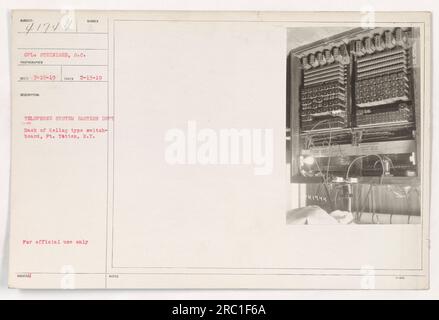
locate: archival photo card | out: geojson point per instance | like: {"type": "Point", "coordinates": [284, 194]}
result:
{"type": "Point", "coordinates": [220, 150]}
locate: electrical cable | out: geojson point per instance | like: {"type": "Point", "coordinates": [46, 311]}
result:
{"type": "Point", "coordinates": [362, 157]}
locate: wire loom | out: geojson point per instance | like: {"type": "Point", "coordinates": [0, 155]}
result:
{"type": "Point", "coordinates": [381, 95]}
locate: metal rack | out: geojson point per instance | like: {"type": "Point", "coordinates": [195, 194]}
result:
{"type": "Point", "coordinates": [391, 132]}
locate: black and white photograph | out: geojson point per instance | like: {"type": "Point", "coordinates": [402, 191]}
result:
{"type": "Point", "coordinates": [353, 125]}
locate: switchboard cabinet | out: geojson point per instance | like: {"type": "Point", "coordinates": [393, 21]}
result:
{"type": "Point", "coordinates": [354, 108]}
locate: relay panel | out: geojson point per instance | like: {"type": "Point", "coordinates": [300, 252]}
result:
{"type": "Point", "coordinates": [354, 105]}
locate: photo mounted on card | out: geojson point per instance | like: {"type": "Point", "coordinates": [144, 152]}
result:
{"type": "Point", "coordinates": [220, 150]}
{"type": "Point", "coordinates": [354, 120]}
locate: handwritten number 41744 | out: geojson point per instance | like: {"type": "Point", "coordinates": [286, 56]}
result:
{"type": "Point", "coordinates": [48, 26]}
